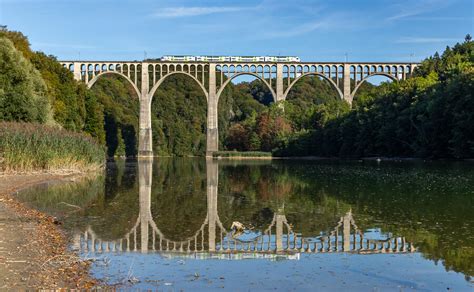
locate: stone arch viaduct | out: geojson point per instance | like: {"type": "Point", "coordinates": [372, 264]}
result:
{"type": "Point", "coordinates": [212, 77]}
{"type": "Point", "coordinates": [279, 237]}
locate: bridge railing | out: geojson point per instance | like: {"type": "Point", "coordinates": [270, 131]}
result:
{"type": "Point", "coordinates": [278, 238]}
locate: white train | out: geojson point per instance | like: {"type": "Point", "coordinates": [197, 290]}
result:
{"type": "Point", "coordinates": [230, 58]}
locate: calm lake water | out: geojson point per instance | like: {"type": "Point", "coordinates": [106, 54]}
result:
{"type": "Point", "coordinates": [196, 224]}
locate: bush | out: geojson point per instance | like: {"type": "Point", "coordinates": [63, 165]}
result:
{"type": "Point", "coordinates": [30, 147]}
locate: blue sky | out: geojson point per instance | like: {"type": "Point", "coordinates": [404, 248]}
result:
{"type": "Point", "coordinates": [375, 30]}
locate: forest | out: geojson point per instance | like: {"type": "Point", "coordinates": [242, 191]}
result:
{"type": "Point", "coordinates": [430, 115]}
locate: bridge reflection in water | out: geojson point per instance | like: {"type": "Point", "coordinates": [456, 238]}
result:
{"type": "Point", "coordinates": [213, 240]}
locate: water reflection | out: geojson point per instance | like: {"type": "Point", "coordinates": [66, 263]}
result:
{"type": "Point", "coordinates": [214, 240]}
{"type": "Point", "coordinates": [290, 210]}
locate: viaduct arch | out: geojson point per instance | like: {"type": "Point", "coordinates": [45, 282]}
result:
{"type": "Point", "coordinates": [212, 77]}
{"type": "Point", "coordinates": [157, 85]}
{"type": "Point", "coordinates": [219, 93]}
{"type": "Point", "coordinates": [334, 85]}
{"type": "Point", "coordinates": [94, 80]}
{"type": "Point", "coordinates": [371, 75]}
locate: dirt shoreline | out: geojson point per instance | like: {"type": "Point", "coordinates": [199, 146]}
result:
{"type": "Point", "coordinates": [33, 247]}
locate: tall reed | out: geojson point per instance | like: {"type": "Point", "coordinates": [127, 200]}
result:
{"type": "Point", "coordinates": [35, 147]}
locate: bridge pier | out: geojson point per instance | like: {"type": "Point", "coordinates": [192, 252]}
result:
{"type": "Point", "coordinates": [347, 84]}
{"type": "Point", "coordinates": [279, 83]}
{"type": "Point", "coordinates": [212, 143]}
{"type": "Point", "coordinates": [212, 170]}
{"type": "Point", "coordinates": [280, 219]}
{"type": "Point", "coordinates": [145, 173]}
{"type": "Point", "coordinates": [145, 146]}
{"type": "Point", "coordinates": [346, 231]}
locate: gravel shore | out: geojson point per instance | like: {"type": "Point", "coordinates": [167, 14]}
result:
{"type": "Point", "coordinates": [33, 248]}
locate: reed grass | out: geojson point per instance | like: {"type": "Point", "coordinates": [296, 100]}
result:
{"type": "Point", "coordinates": [26, 147]}
{"type": "Point", "coordinates": [241, 154]}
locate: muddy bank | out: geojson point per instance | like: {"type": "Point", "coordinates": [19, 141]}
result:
{"type": "Point", "coordinates": [33, 248]}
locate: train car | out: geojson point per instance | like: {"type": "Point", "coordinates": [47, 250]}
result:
{"type": "Point", "coordinates": [212, 58]}
{"type": "Point", "coordinates": [256, 58]}
{"type": "Point", "coordinates": [219, 59]}
{"type": "Point", "coordinates": [286, 59]}
{"type": "Point", "coordinates": [178, 58]}
{"type": "Point", "coordinates": [247, 59]}
{"type": "Point", "coordinates": [187, 58]}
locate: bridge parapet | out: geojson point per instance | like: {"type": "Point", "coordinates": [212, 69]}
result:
{"type": "Point", "coordinates": [270, 73]}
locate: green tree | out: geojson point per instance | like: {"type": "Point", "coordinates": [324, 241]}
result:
{"type": "Point", "coordinates": [64, 93]}
{"type": "Point", "coordinates": [22, 90]}
{"type": "Point", "coordinates": [66, 96]}
{"type": "Point", "coordinates": [94, 123]}
{"type": "Point", "coordinates": [120, 144]}
{"type": "Point", "coordinates": [113, 102]}
{"type": "Point", "coordinates": [19, 40]}
{"type": "Point", "coordinates": [179, 117]}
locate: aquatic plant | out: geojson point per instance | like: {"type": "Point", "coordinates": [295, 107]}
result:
{"type": "Point", "coordinates": [33, 147]}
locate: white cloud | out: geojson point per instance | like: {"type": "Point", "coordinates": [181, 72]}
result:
{"type": "Point", "coordinates": [172, 12]}
{"type": "Point", "coordinates": [329, 22]}
{"type": "Point", "coordinates": [408, 9]}
{"type": "Point", "coordinates": [61, 46]}
{"type": "Point", "coordinates": [298, 30]}
{"type": "Point", "coordinates": [442, 18]}
{"type": "Point", "coordinates": [425, 40]}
